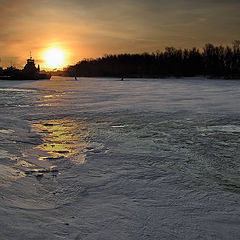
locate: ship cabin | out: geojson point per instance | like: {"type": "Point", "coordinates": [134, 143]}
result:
{"type": "Point", "coordinates": [30, 66]}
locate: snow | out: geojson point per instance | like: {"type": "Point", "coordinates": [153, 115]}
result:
{"type": "Point", "coordinates": [101, 158]}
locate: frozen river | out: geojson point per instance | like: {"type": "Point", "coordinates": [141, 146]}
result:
{"type": "Point", "coordinates": [100, 158]}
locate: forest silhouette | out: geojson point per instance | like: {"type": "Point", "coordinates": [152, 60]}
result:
{"type": "Point", "coordinates": [212, 61]}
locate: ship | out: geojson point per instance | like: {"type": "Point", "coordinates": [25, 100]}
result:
{"type": "Point", "coordinates": [29, 72]}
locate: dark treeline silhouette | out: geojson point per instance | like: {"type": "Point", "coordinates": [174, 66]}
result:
{"type": "Point", "coordinates": [212, 61]}
{"type": "Point", "coordinates": [8, 71]}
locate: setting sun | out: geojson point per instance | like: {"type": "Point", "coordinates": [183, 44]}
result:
{"type": "Point", "coordinates": [54, 58]}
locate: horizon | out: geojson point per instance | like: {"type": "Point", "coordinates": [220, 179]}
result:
{"type": "Point", "coordinates": [62, 68]}
{"type": "Point", "coordinates": [137, 136]}
{"type": "Point", "coordinates": [90, 30]}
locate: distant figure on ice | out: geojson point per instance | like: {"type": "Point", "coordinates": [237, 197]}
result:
{"type": "Point", "coordinates": [122, 79]}
{"type": "Point", "coordinates": [75, 78]}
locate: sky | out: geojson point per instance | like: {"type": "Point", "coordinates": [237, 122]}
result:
{"type": "Point", "coordinates": [92, 28]}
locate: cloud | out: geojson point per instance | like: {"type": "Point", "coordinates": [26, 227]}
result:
{"type": "Point", "coordinates": [11, 10]}
{"type": "Point", "coordinates": [89, 28]}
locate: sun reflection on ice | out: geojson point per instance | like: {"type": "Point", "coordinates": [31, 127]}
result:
{"type": "Point", "coordinates": [63, 138]}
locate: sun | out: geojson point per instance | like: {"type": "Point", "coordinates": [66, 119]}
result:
{"type": "Point", "coordinates": [54, 58]}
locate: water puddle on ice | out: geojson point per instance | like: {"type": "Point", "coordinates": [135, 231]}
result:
{"type": "Point", "coordinates": [63, 138]}
{"type": "Point", "coordinates": [67, 139]}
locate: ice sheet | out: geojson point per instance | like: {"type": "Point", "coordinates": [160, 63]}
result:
{"type": "Point", "coordinates": [101, 158]}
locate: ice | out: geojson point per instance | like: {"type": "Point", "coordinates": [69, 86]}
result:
{"type": "Point", "coordinates": [8, 174]}
{"type": "Point", "coordinates": [225, 128]}
{"type": "Point", "coordinates": [6, 131]}
{"type": "Point", "coordinates": [100, 158]}
{"type": "Point", "coordinates": [16, 90]}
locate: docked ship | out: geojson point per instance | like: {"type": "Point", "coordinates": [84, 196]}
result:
{"type": "Point", "coordinates": [29, 72]}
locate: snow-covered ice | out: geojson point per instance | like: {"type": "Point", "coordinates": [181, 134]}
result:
{"type": "Point", "coordinates": [101, 158]}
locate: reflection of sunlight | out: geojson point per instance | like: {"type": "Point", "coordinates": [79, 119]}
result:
{"type": "Point", "coordinates": [49, 96]}
{"type": "Point", "coordinates": [51, 99]}
{"type": "Point", "coordinates": [63, 138]}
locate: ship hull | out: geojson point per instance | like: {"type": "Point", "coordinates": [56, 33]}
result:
{"type": "Point", "coordinates": [23, 76]}
{"type": "Point", "coordinates": [30, 72]}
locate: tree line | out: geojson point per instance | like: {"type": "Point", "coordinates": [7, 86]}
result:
{"type": "Point", "coordinates": [211, 61]}
{"type": "Point", "coordinates": [8, 71]}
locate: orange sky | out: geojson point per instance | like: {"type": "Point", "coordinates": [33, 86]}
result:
{"type": "Point", "coordinates": [92, 28]}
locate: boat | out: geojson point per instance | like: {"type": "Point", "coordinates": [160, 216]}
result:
{"type": "Point", "coordinates": [29, 72]}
